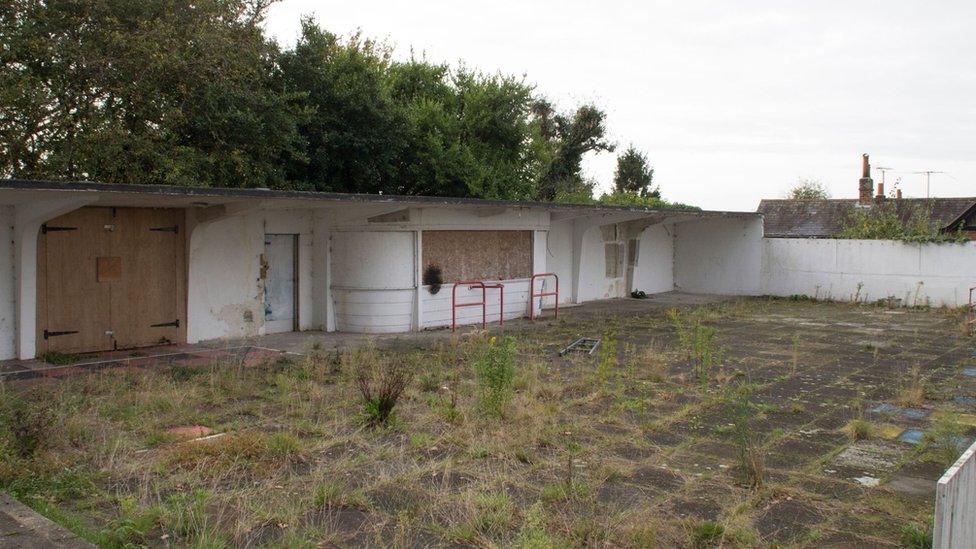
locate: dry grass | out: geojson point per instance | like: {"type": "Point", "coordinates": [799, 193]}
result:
{"type": "Point", "coordinates": [640, 454]}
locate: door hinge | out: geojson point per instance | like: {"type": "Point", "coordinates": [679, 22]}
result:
{"type": "Point", "coordinates": [49, 229]}
{"type": "Point", "coordinates": [48, 334]}
{"type": "Point", "coordinates": [173, 229]}
{"type": "Point", "coordinates": [174, 324]}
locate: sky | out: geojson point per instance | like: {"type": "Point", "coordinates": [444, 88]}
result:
{"type": "Point", "coordinates": [732, 101]}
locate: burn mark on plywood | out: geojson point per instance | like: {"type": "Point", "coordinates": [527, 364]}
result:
{"type": "Point", "coordinates": [479, 255]}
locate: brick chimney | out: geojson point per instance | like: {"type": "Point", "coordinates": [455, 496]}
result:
{"type": "Point", "coordinates": [898, 194]}
{"type": "Point", "coordinates": [866, 184]}
{"type": "Point", "coordinates": [881, 194]}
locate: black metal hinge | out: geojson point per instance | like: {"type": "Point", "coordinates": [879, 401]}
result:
{"type": "Point", "coordinates": [174, 324]}
{"type": "Point", "coordinates": [173, 229]}
{"type": "Point", "coordinates": [48, 334]}
{"type": "Point", "coordinates": [49, 229]}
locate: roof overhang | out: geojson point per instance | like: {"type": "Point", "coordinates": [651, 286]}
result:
{"type": "Point", "coordinates": [18, 191]}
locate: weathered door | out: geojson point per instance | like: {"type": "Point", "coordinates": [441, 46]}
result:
{"type": "Point", "coordinates": [111, 278]}
{"type": "Point", "coordinates": [280, 256]}
{"type": "Point", "coordinates": [147, 299]}
{"type": "Point", "coordinates": [73, 307]}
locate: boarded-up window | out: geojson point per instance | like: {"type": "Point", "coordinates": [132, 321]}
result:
{"type": "Point", "coordinates": [614, 255]}
{"type": "Point", "coordinates": [479, 255]}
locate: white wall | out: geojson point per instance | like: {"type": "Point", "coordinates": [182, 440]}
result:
{"type": "Point", "coordinates": [225, 293]}
{"type": "Point", "coordinates": [8, 311]}
{"type": "Point", "coordinates": [868, 270]}
{"type": "Point", "coordinates": [718, 256]}
{"type": "Point", "coordinates": [559, 259]}
{"type": "Point", "coordinates": [955, 504]}
{"type": "Point", "coordinates": [593, 280]}
{"type": "Point", "coordinates": [373, 281]}
{"type": "Point", "coordinates": [654, 272]}
{"type": "Point", "coordinates": [437, 307]}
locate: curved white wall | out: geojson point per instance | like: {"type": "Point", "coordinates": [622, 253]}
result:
{"type": "Point", "coordinates": [373, 281]}
{"type": "Point", "coordinates": [654, 272]}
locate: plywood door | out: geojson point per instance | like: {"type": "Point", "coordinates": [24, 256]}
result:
{"type": "Point", "coordinates": [111, 278]}
{"type": "Point", "coordinates": [148, 297]}
{"type": "Point", "coordinates": [280, 283]}
{"type": "Point", "coordinates": [73, 309]}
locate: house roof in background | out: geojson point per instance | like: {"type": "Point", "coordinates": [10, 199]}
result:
{"type": "Point", "coordinates": [791, 218]}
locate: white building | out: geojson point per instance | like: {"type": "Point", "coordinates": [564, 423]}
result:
{"type": "Point", "coordinates": [91, 266]}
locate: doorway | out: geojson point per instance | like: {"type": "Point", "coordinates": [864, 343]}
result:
{"type": "Point", "coordinates": [111, 278]}
{"type": "Point", "coordinates": [280, 283]}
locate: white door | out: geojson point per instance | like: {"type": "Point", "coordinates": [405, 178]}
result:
{"type": "Point", "coordinates": [280, 254]}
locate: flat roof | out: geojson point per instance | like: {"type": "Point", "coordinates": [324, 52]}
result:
{"type": "Point", "coordinates": [226, 194]}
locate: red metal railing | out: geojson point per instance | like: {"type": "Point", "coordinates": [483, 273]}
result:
{"type": "Point", "coordinates": [533, 295]}
{"type": "Point", "coordinates": [971, 312]}
{"type": "Point", "coordinates": [483, 303]}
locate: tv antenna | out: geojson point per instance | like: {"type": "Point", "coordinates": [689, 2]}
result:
{"type": "Point", "coordinates": [928, 177]}
{"type": "Point", "coordinates": [883, 169]}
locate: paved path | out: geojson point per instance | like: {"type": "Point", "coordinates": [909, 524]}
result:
{"type": "Point", "coordinates": [22, 528]}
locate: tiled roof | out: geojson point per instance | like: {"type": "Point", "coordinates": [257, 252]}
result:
{"type": "Point", "coordinates": [826, 218]}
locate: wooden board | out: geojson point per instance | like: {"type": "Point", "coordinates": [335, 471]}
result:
{"type": "Point", "coordinates": [118, 279]}
{"type": "Point", "coordinates": [479, 255]}
{"type": "Point", "coordinates": [147, 300]}
{"type": "Point", "coordinates": [73, 300]}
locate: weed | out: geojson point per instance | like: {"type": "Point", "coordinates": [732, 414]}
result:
{"type": "Point", "coordinates": [28, 424]}
{"type": "Point", "coordinates": [60, 359]}
{"type": "Point", "coordinates": [697, 341]}
{"type": "Point", "coordinates": [380, 380]}
{"type": "Point", "coordinates": [912, 392]}
{"type": "Point", "coordinates": [607, 362]}
{"type": "Point", "coordinates": [944, 439]}
{"type": "Point", "coordinates": [795, 360]}
{"type": "Point", "coordinates": [859, 429]}
{"type": "Point", "coordinates": [533, 534]}
{"type": "Point", "coordinates": [495, 369]}
{"type": "Point", "coordinates": [707, 534]}
{"type": "Point", "coordinates": [917, 536]}
{"type": "Point", "coordinates": [751, 454]}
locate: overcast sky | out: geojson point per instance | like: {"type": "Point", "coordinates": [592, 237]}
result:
{"type": "Point", "coordinates": [732, 101]}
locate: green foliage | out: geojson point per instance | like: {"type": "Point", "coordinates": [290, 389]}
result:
{"type": "Point", "coordinates": [808, 189]}
{"type": "Point", "coordinates": [634, 175]}
{"type": "Point", "coordinates": [607, 363]}
{"type": "Point", "coordinates": [885, 222]}
{"type": "Point", "coordinates": [747, 442]}
{"type": "Point", "coordinates": [945, 439]}
{"type": "Point", "coordinates": [917, 536]}
{"type": "Point", "coordinates": [60, 359]}
{"type": "Point", "coordinates": [564, 139]}
{"type": "Point", "coordinates": [697, 341]}
{"type": "Point", "coordinates": [495, 369]}
{"type": "Point", "coordinates": [171, 92]}
{"type": "Point", "coordinates": [25, 425]}
{"type": "Point", "coordinates": [707, 534]}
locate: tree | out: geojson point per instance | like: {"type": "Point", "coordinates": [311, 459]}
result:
{"type": "Point", "coordinates": [169, 92]}
{"type": "Point", "coordinates": [352, 129]}
{"type": "Point", "coordinates": [564, 140]}
{"type": "Point", "coordinates": [808, 189]}
{"type": "Point", "coordinates": [634, 175]}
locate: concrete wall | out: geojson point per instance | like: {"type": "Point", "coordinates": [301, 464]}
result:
{"type": "Point", "coordinates": [373, 281]}
{"type": "Point", "coordinates": [559, 259]}
{"type": "Point", "coordinates": [955, 504]}
{"type": "Point", "coordinates": [718, 256]}
{"type": "Point", "coordinates": [8, 310]}
{"type": "Point", "coordinates": [868, 270]}
{"type": "Point", "coordinates": [225, 293]}
{"type": "Point", "coordinates": [654, 272]}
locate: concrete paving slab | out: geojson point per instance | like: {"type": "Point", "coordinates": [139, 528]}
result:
{"type": "Point", "coordinates": [23, 528]}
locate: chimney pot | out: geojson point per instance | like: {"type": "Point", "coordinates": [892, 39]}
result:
{"type": "Point", "coordinates": [898, 194]}
{"type": "Point", "coordinates": [881, 194]}
{"type": "Point", "coordinates": [866, 184]}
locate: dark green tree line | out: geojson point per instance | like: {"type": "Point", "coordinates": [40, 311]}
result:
{"type": "Point", "coordinates": [183, 92]}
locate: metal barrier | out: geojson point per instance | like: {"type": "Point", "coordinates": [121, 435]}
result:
{"type": "Point", "coordinates": [971, 312]}
{"type": "Point", "coordinates": [533, 295]}
{"type": "Point", "coordinates": [483, 303]}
